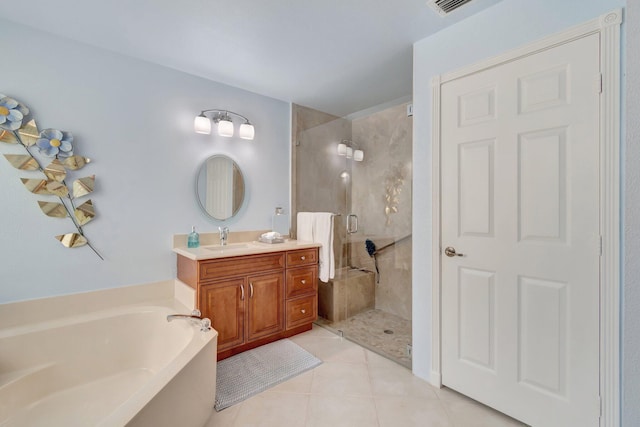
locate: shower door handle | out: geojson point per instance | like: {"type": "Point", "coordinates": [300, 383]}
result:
{"type": "Point", "coordinates": [352, 224]}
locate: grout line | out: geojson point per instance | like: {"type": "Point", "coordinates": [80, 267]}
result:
{"type": "Point", "coordinates": [369, 376]}
{"type": "Point", "coordinates": [234, 419]}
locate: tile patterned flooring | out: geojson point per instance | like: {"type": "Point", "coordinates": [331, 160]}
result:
{"type": "Point", "coordinates": [355, 387]}
{"type": "Point", "coordinates": [368, 330]}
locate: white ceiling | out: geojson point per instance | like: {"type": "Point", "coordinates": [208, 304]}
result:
{"type": "Point", "coordinates": [338, 56]}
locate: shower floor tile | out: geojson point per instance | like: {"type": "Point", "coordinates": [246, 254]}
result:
{"type": "Point", "coordinates": [368, 330]}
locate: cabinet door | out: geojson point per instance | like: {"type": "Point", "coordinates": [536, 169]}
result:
{"type": "Point", "coordinates": [223, 303]}
{"type": "Point", "coordinates": [266, 305]}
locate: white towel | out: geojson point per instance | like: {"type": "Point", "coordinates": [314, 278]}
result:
{"type": "Point", "coordinates": [317, 227]}
{"type": "Point", "coordinates": [305, 226]}
{"type": "Point", "coordinates": [323, 234]}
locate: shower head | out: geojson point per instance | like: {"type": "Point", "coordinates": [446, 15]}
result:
{"type": "Point", "coordinates": [371, 247]}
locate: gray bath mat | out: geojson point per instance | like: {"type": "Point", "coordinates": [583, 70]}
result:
{"type": "Point", "coordinates": [246, 374]}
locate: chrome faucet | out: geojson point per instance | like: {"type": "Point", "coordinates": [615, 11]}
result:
{"type": "Point", "coordinates": [205, 324]}
{"type": "Point", "coordinates": [224, 233]}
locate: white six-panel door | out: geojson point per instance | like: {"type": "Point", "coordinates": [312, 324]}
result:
{"type": "Point", "coordinates": [520, 203]}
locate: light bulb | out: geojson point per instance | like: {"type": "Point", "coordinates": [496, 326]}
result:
{"type": "Point", "coordinates": [225, 126]}
{"type": "Point", "coordinates": [358, 155]}
{"type": "Point", "coordinates": [202, 124]}
{"type": "Point", "coordinates": [342, 149]}
{"type": "Point", "coordinates": [247, 131]}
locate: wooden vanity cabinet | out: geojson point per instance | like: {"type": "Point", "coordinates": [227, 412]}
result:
{"type": "Point", "coordinates": [255, 299]}
{"type": "Point", "coordinates": [301, 304]}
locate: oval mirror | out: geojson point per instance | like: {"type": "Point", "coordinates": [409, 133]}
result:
{"type": "Point", "coordinates": [220, 187]}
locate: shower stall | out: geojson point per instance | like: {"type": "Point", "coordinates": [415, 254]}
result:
{"type": "Point", "coordinates": [360, 169]}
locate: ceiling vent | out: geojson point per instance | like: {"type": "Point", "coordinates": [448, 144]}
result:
{"type": "Point", "coordinates": [444, 7]}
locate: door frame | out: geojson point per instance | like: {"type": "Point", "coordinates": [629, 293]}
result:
{"type": "Point", "coordinates": [608, 27]}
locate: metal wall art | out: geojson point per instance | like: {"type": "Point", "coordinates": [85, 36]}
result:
{"type": "Point", "coordinates": [393, 187]}
{"type": "Point", "coordinates": [53, 149]}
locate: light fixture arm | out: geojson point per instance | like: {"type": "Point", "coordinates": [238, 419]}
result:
{"type": "Point", "coordinates": [218, 113]}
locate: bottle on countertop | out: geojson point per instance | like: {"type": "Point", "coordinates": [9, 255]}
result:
{"type": "Point", "coordinates": [193, 241]}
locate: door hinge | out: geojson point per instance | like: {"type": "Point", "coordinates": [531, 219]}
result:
{"type": "Point", "coordinates": [599, 407]}
{"type": "Point", "coordinates": [601, 244]}
{"type": "Point", "coordinates": [599, 83]}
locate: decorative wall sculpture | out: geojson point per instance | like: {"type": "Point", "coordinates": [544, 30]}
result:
{"type": "Point", "coordinates": [393, 183]}
{"type": "Point", "coordinates": [56, 151]}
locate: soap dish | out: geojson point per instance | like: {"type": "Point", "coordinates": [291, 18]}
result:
{"type": "Point", "coordinates": [270, 241]}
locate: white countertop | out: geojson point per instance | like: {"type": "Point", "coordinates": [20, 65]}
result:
{"type": "Point", "coordinates": [241, 248]}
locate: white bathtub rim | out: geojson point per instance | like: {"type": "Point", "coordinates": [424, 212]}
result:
{"type": "Point", "coordinates": [128, 409]}
{"type": "Point", "coordinates": [168, 306]}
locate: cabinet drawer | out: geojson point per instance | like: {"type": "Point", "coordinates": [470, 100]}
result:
{"type": "Point", "coordinates": [302, 257]}
{"type": "Point", "coordinates": [301, 311]}
{"type": "Point", "coordinates": [240, 266]}
{"type": "Point", "coordinates": [302, 281]}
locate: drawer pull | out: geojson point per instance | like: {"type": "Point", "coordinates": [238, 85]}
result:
{"type": "Point", "coordinates": [303, 257]}
{"type": "Point", "coordinates": [251, 290]}
{"type": "Point", "coordinates": [304, 282]}
{"type": "Point", "coordinates": [242, 289]}
{"type": "Point", "coordinates": [303, 311]}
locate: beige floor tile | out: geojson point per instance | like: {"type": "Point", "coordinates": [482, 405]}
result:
{"type": "Point", "coordinates": [318, 331]}
{"type": "Point", "coordinates": [298, 384]}
{"type": "Point", "coordinates": [224, 418]}
{"type": "Point", "coordinates": [315, 332]}
{"type": "Point", "coordinates": [273, 409]}
{"type": "Point", "coordinates": [374, 359]}
{"type": "Point", "coordinates": [411, 412]}
{"type": "Point", "coordinates": [473, 414]}
{"type": "Point", "coordinates": [341, 379]}
{"type": "Point", "coordinates": [341, 411]}
{"type": "Point", "coordinates": [333, 349]}
{"type": "Point", "coordinates": [446, 393]}
{"type": "Point", "coordinates": [355, 387]}
{"type": "Point", "coordinates": [398, 381]}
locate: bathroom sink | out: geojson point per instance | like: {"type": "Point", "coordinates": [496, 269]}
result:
{"type": "Point", "coordinates": [227, 248]}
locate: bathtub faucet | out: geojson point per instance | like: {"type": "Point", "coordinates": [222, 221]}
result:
{"type": "Point", "coordinates": [196, 316]}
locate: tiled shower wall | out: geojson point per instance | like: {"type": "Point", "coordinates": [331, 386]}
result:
{"type": "Point", "coordinates": [381, 197]}
{"type": "Point", "coordinates": [378, 190]}
{"type": "Point", "coordinates": [317, 185]}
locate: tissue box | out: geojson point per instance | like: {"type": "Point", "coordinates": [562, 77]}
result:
{"type": "Point", "coordinates": [276, 240]}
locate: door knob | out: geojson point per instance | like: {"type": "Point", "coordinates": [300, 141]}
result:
{"type": "Point", "coordinates": [451, 252]}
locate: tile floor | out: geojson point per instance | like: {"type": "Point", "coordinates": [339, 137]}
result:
{"type": "Point", "coordinates": [368, 329]}
{"type": "Point", "coordinates": [355, 387]}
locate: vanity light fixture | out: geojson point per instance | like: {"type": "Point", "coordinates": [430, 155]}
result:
{"type": "Point", "coordinates": [345, 149]}
{"type": "Point", "coordinates": [202, 123]}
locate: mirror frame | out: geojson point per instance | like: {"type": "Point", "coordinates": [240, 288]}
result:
{"type": "Point", "coordinates": [237, 169]}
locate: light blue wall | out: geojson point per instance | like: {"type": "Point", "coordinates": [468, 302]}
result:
{"type": "Point", "coordinates": [505, 26]}
{"type": "Point", "coordinates": [135, 120]}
